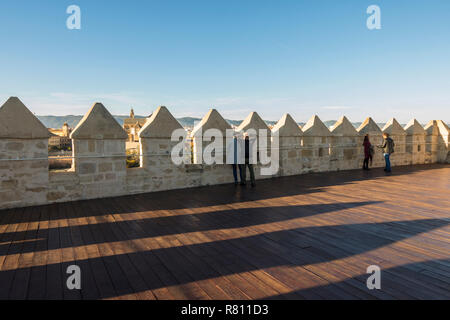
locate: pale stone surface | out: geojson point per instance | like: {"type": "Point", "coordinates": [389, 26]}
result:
{"type": "Point", "coordinates": [432, 142]}
{"type": "Point", "coordinates": [414, 127]}
{"type": "Point", "coordinates": [443, 128]}
{"type": "Point", "coordinates": [160, 125]}
{"type": "Point", "coordinates": [98, 123]}
{"type": "Point", "coordinates": [431, 128]}
{"type": "Point", "coordinates": [415, 142]}
{"type": "Point", "coordinates": [369, 127]}
{"type": "Point", "coordinates": [99, 158]}
{"type": "Point", "coordinates": [24, 181]}
{"type": "Point", "coordinates": [212, 120]}
{"type": "Point", "coordinates": [289, 147]}
{"type": "Point", "coordinates": [443, 141]}
{"type": "Point", "coordinates": [255, 125]}
{"type": "Point", "coordinates": [315, 127]}
{"type": "Point", "coordinates": [17, 122]}
{"type": "Point", "coordinates": [392, 127]}
{"type": "Point", "coordinates": [316, 148]}
{"type": "Point", "coordinates": [253, 121]}
{"type": "Point", "coordinates": [287, 127]}
{"type": "Point", "coordinates": [343, 127]}
{"type": "Point", "coordinates": [345, 146]}
{"type": "Point", "coordinates": [99, 168]}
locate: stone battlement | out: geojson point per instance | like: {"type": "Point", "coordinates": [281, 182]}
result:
{"type": "Point", "coordinates": [99, 160]}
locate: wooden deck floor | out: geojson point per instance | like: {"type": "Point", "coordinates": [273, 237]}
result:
{"type": "Point", "coordinates": [304, 237]}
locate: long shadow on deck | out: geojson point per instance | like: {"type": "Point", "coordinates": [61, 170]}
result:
{"type": "Point", "coordinates": [203, 196]}
{"type": "Point", "coordinates": [121, 274]}
{"type": "Point", "coordinates": [422, 280]}
{"type": "Point", "coordinates": [64, 237]}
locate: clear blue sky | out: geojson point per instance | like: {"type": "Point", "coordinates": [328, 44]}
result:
{"type": "Point", "coordinates": [301, 57]}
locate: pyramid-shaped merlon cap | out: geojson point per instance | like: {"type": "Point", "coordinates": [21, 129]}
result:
{"type": "Point", "coordinates": [160, 125]}
{"type": "Point", "coordinates": [287, 127]}
{"type": "Point", "coordinates": [414, 127]}
{"type": "Point", "coordinates": [369, 126]}
{"type": "Point", "coordinates": [443, 128]}
{"type": "Point", "coordinates": [212, 120]}
{"type": "Point", "coordinates": [393, 127]}
{"type": "Point", "coordinates": [98, 124]}
{"type": "Point", "coordinates": [343, 127]}
{"type": "Point", "coordinates": [431, 128]}
{"type": "Point", "coordinates": [17, 122]}
{"type": "Point", "coordinates": [315, 127]}
{"type": "Point", "coordinates": [253, 121]}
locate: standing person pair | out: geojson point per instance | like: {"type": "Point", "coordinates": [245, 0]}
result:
{"type": "Point", "coordinates": [388, 149]}
{"type": "Point", "coordinates": [246, 146]}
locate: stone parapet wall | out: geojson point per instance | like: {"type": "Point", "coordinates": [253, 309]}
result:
{"type": "Point", "coordinates": [99, 160]}
{"type": "Point", "coordinates": [23, 182]}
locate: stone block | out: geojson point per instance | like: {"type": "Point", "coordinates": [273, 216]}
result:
{"type": "Point", "coordinates": [87, 168]}
{"type": "Point", "coordinates": [15, 146]}
{"type": "Point", "coordinates": [307, 153]}
{"type": "Point", "coordinates": [52, 196]}
{"type": "Point", "coordinates": [105, 166]}
{"type": "Point", "coordinates": [10, 184]}
{"type": "Point", "coordinates": [110, 176]}
{"type": "Point", "coordinates": [349, 154]}
{"type": "Point", "coordinates": [9, 196]}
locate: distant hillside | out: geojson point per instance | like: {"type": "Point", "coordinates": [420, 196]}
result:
{"type": "Point", "coordinates": [188, 121]}
{"type": "Point", "coordinates": [72, 121]}
{"type": "Point", "coordinates": [57, 121]}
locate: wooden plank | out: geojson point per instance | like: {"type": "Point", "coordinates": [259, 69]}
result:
{"type": "Point", "coordinates": [301, 237]}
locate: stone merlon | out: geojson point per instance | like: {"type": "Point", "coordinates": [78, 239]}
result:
{"type": "Point", "coordinates": [343, 127]}
{"type": "Point", "coordinates": [392, 127]}
{"type": "Point", "coordinates": [414, 127]}
{"type": "Point", "coordinates": [369, 127]}
{"type": "Point", "coordinates": [98, 124]}
{"type": "Point", "coordinates": [17, 122]}
{"type": "Point", "coordinates": [212, 120]}
{"type": "Point", "coordinates": [160, 125]}
{"type": "Point", "coordinates": [253, 121]}
{"type": "Point", "coordinates": [287, 127]}
{"type": "Point", "coordinates": [315, 127]}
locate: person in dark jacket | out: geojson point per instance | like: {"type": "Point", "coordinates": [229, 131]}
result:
{"type": "Point", "coordinates": [388, 149]}
{"type": "Point", "coordinates": [247, 163]}
{"type": "Point", "coordinates": [367, 152]}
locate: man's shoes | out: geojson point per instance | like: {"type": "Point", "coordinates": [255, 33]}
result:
{"type": "Point", "coordinates": [236, 183]}
{"type": "Point", "coordinates": [253, 185]}
{"type": "Point", "coordinates": [243, 183]}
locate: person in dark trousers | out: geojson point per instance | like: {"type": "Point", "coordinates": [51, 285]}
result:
{"type": "Point", "coordinates": [235, 162]}
{"type": "Point", "coordinates": [247, 164]}
{"type": "Point", "coordinates": [368, 152]}
{"type": "Point", "coordinates": [388, 149]}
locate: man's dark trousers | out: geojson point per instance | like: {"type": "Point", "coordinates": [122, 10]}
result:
{"type": "Point", "coordinates": [243, 168]}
